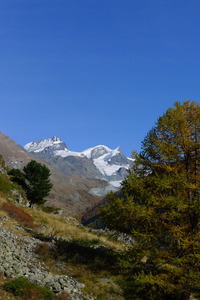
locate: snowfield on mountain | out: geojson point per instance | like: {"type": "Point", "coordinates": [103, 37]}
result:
{"type": "Point", "coordinates": [111, 165]}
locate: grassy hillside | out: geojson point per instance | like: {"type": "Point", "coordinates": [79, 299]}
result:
{"type": "Point", "coordinates": [91, 258]}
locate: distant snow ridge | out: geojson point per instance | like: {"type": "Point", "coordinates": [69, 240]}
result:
{"type": "Point", "coordinates": [40, 146]}
{"type": "Point", "coordinates": [106, 160]}
{"type": "Point", "coordinates": [112, 164]}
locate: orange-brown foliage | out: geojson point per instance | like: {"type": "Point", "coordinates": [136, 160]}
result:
{"type": "Point", "coordinates": [63, 296]}
{"type": "Point", "coordinates": [43, 250]}
{"type": "Point", "coordinates": [32, 294]}
{"type": "Point", "coordinates": [18, 214]}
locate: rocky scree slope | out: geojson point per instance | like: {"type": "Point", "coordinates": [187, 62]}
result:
{"type": "Point", "coordinates": [18, 258]}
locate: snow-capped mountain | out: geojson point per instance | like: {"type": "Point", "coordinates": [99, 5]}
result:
{"type": "Point", "coordinates": [112, 164]}
{"type": "Point", "coordinates": [51, 144]}
{"type": "Point", "coordinates": [97, 162]}
{"type": "Point", "coordinates": [72, 191]}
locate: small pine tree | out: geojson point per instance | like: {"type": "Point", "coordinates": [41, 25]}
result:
{"type": "Point", "coordinates": [160, 205]}
{"type": "Point", "coordinates": [38, 182]}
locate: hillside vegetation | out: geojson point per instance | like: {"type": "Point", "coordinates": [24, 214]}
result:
{"type": "Point", "coordinates": [158, 211]}
{"type": "Point", "coordinates": [160, 205]}
{"type": "Point", "coordinates": [65, 246]}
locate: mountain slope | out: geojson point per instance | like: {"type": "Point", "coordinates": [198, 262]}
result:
{"type": "Point", "coordinates": [70, 192]}
{"type": "Point", "coordinates": [98, 162]}
{"type": "Point", "coordinates": [13, 154]}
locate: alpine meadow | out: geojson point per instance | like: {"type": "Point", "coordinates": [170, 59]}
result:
{"type": "Point", "coordinates": [159, 204]}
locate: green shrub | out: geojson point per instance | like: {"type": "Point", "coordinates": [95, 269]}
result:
{"type": "Point", "coordinates": [26, 289]}
{"type": "Point", "coordinates": [17, 176]}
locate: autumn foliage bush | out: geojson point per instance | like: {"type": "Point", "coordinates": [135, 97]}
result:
{"type": "Point", "coordinates": [63, 296]}
{"type": "Point", "coordinates": [18, 214]}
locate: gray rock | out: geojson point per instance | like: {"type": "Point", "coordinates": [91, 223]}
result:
{"type": "Point", "coordinates": [18, 258]}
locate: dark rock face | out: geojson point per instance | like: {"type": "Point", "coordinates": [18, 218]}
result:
{"type": "Point", "coordinates": [71, 165]}
{"type": "Point", "coordinates": [97, 152]}
{"type": "Point", "coordinates": [119, 159]}
{"type": "Point", "coordinates": [57, 144]}
{"type": "Point", "coordinates": [83, 166]}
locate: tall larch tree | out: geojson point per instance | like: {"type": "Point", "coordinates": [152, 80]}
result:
{"type": "Point", "coordinates": [160, 205]}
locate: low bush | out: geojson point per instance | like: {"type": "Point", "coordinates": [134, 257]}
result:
{"type": "Point", "coordinates": [28, 290]}
{"type": "Point", "coordinates": [18, 214]}
{"type": "Point", "coordinates": [44, 251]}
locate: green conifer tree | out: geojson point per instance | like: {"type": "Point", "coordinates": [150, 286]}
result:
{"type": "Point", "coordinates": [17, 176]}
{"type": "Point", "coordinates": [38, 182]}
{"type": "Point", "coordinates": [160, 205]}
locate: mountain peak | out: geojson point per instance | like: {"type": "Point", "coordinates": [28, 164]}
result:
{"type": "Point", "coordinates": [111, 164]}
{"type": "Point", "coordinates": [56, 139]}
{"type": "Point", "coordinates": [96, 151]}
{"type": "Point", "coordinates": [41, 145]}
{"type": "Point", "coordinates": [118, 149]}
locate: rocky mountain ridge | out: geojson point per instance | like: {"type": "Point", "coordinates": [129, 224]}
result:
{"type": "Point", "coordinates": [98, 162]}
{"type": "Point", "coordinates": [77, 183]}
{"type": "Point", "coordinates": [70, 192]}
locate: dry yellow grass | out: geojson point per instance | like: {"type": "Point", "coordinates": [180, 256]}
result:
{"type": "Point", "coordinates": [55, 225]}
{"type": "Point", "coordinates": [6, 296]}
{"type": "Point", "coordinates": [99, 285]}
{"type": "Point", "coordinates": [2, 199]}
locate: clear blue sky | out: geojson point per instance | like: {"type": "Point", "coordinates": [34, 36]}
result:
{"type": "Point", "coordinates": [95, 71]}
